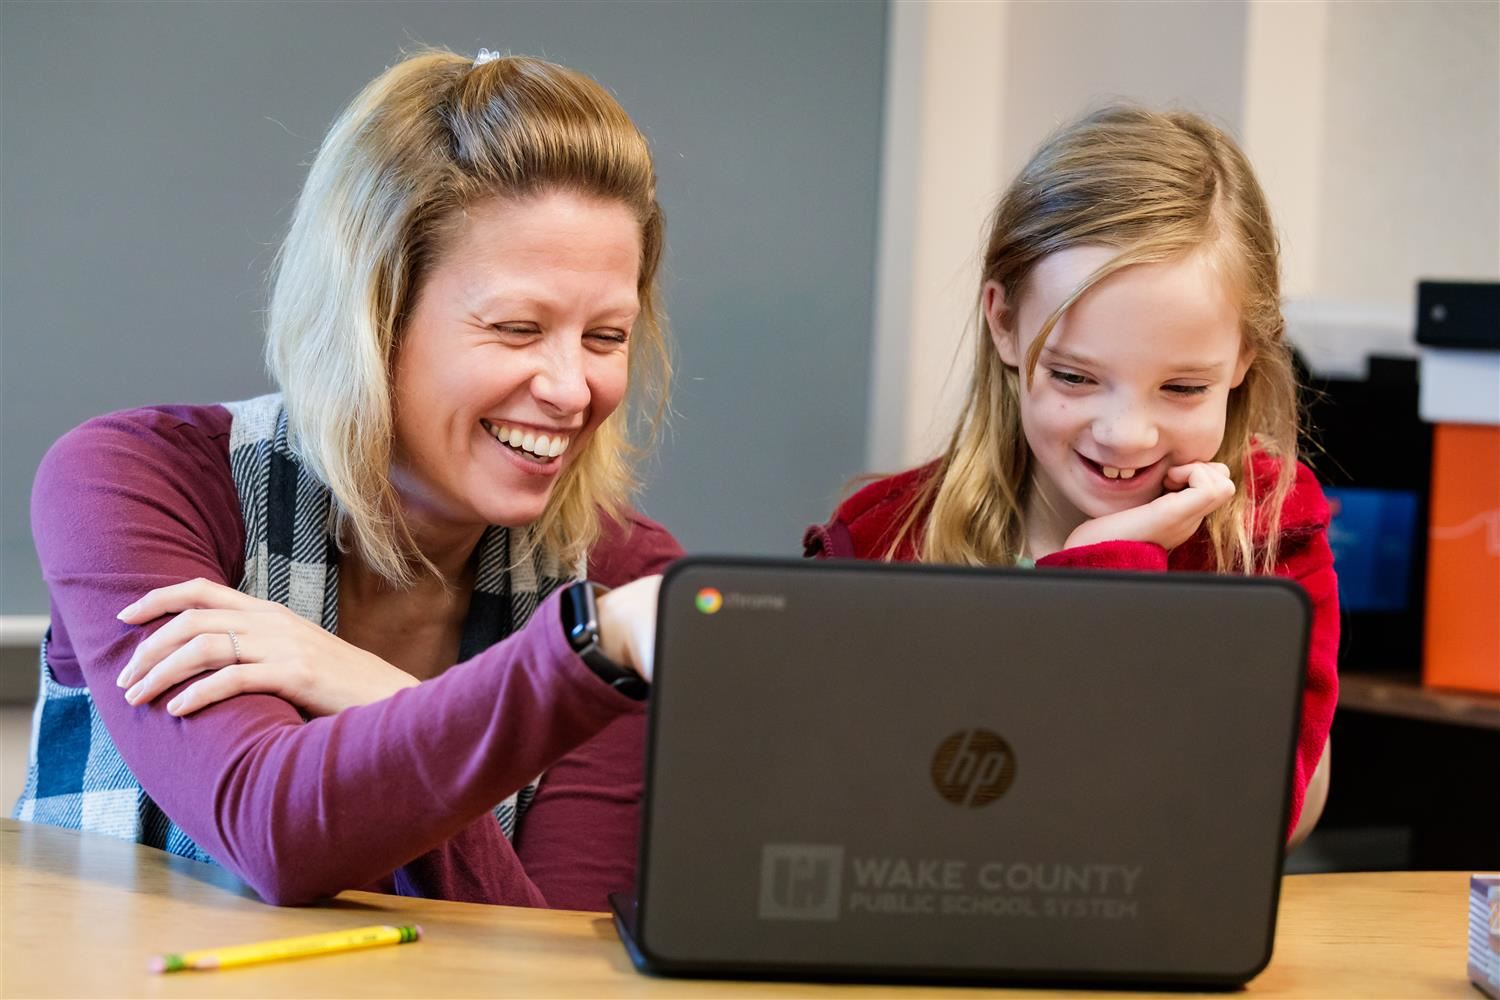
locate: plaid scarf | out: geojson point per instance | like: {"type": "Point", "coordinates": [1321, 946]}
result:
{"type": "Point", "coordinates": [76, 777]}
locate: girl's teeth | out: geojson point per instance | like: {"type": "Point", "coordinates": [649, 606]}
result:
{"type": "Point", "coordinates": [543, 445]}
{"type": "Point", "coordinates": [528, 441]}
{"type": "Point", "coordinates": [1110, 472]}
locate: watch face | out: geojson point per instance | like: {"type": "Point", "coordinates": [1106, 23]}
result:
{"type": "Point", "coordinates": [580, 621]}
{"type": "Point", "coordinates": [580, 618]}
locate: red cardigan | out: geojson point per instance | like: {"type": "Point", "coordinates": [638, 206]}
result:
{"type": "Point", "coordinates": [864, 526]}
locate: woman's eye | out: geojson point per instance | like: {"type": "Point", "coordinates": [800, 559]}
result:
{"type": "Point", "coordinates": [516, 331]}
{"type": "Point", "coordinates": [1186, 390]}
{"type": "Point", "coordinates": [606, 338]}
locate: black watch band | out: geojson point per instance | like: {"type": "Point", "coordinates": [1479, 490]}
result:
{"type": "Point", "coordinates": [580, 622]}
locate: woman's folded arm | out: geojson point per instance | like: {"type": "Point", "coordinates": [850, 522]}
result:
{"type": "Point", "coordinates": [299, 809]}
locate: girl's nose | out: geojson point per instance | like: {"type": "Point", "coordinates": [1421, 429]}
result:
{"type": "Point", "coordinates": [1126, 432]}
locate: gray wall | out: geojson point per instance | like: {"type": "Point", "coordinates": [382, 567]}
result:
{"type": "Point", "coordinates": [150, 154]}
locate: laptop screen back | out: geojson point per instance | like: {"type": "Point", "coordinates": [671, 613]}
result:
{"type": "Point", "coordinates": [871, 768]}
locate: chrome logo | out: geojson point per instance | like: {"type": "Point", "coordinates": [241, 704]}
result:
{"type": "Point", "coordinates": [709, 600]}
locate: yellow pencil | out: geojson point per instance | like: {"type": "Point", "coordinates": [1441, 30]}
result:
{"type": "Point", "coordinates": [284, 948]}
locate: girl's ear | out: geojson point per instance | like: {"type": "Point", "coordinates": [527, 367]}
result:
{"type": "Point", "coordinates": [1242, 366]}
{"type": "Point", "coordinates": [1001, 319]}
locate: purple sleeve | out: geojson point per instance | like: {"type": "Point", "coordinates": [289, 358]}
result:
{"type": "Point", "coordinates": [578, 841]}
{"type": "Point", "coordinates": [298, 809]}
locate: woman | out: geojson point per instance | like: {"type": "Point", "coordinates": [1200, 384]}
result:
{"type": "Point", "coordinates": [467, 291]}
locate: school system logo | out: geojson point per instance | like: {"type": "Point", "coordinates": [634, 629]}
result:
{"type": "Point", "coordinates": [709, 601]}
{"type": "Point", "coordinates": [973, 767]}
{"type": "Point", "coordinates": [800, 881]}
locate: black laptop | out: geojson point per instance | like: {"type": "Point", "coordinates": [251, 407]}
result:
{"type": "Point", "coordinates": [893, 772]}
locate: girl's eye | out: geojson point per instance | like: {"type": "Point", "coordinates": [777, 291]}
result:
{"type": "Point", "coordinates": [1068, 378]}
{"type": "Point", "coordinates": [1186, 390]}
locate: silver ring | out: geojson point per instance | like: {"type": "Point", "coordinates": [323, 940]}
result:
{"type": "Point", "coordinates": [234, 643]}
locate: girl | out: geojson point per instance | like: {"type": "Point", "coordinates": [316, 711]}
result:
{"type": "Point", "coordinates": [1133, 403]}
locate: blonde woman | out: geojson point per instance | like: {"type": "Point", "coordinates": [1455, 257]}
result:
{"type": "Point", "coordinates": [1133, 404]}
{"type": "Point", "coordinates": [339, 637]}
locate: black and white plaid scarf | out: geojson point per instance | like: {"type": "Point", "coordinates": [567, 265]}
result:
{"type": "Point", "coordinates": [76, 777]}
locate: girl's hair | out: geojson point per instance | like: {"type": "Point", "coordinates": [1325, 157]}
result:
{"type": "Point", "coordinates": [1154, 187]}
{"type": "Point", "coordinates": [386, 194]}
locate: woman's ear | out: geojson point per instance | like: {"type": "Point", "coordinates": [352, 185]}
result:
{"type": "Point", "coordinates": [1001, 320]}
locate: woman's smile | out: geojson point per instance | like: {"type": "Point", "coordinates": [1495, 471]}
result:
{"type": "Point", "coordinates": [528, 450]}
{"type": "Point", "coordinates": [541, 448]}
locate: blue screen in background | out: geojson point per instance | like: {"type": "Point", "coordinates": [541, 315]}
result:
{"type": "Point", "coordinates": [1372, 536]}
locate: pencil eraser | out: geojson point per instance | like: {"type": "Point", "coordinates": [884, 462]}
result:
{"type": "Point", "coordinates": [1484, 933]}
{"type": "Point", "coordinates": [157, 965]}
{"type": "Point", "coordinates": [418, 929]}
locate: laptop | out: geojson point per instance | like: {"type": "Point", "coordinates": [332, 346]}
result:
{"type": "Point", "coordinates": [885, 772]}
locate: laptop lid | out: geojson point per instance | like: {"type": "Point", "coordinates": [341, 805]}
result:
{"type": "Point", "coordinates": [897, 771]}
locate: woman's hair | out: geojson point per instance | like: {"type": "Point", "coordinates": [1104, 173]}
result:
{"type": "Point", "coordinates": [1153, 187]}
{"type": "Point", "coordinates": [385, 196]}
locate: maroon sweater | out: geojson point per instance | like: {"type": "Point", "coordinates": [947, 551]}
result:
{"type": "Point", "coordinates": [393, 796]}
{"type": "Point", "coordinates": [866, 524]}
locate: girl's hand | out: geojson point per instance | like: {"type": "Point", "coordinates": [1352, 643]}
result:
{"type": "Point", "coordinates": [278, 653]}
{"type": "Point", "coordinates": [627, 624]}
{"type": "Point", "coordinates": [1193, 492]}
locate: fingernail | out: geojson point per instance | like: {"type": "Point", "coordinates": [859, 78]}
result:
{"type": "Point", "coordinates": [175, 705]}
{"type": "Point", "coordinates": [124, 678]}
{"type": "Point", "coordinates": [126, 611]}
{"type": "Point", "coordinates": [134, 694]}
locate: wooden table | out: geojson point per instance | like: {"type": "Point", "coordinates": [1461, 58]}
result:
{"type": "Point", "coordinates": [83, 913]}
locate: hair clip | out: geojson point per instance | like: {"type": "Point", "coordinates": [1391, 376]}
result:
{"type": "Point", "coordinates": [485, 55]}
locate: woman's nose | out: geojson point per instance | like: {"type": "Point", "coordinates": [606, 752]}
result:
{"type": "Point", "coordinates": [561, 383]}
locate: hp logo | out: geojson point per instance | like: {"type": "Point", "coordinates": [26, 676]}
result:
{"type": "Point", "coordinates": [973, 767]}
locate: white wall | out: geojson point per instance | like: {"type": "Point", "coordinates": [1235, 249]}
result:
{"type": "Point", "coordinates": [1285, 81]}
{"type": "Point", "coordinates": [1062, 58]}
{"type": "Point", "coordinates": [1374, 127]}
{"type": "Point", "coordinates": [1410, 173]}
{"type": "Point", "coordinates": [941, 148]}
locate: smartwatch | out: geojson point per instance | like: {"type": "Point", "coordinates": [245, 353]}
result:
{"type": "Point", "coordinates": [580, 622]}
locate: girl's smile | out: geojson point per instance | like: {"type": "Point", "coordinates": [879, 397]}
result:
{"type": "Point", "coordinates": [1144, 479]}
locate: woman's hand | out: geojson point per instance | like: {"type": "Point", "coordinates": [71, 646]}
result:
{"type": "Point", "coordinates": [1193, 492]}
{"type": "Point", "coordinates": [627, 624]}
{"type": "Point", "coordinates": [273, 651]}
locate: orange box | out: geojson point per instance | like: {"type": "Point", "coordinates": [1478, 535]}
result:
{"type": "Point", "coordinates": [1462, 643]}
